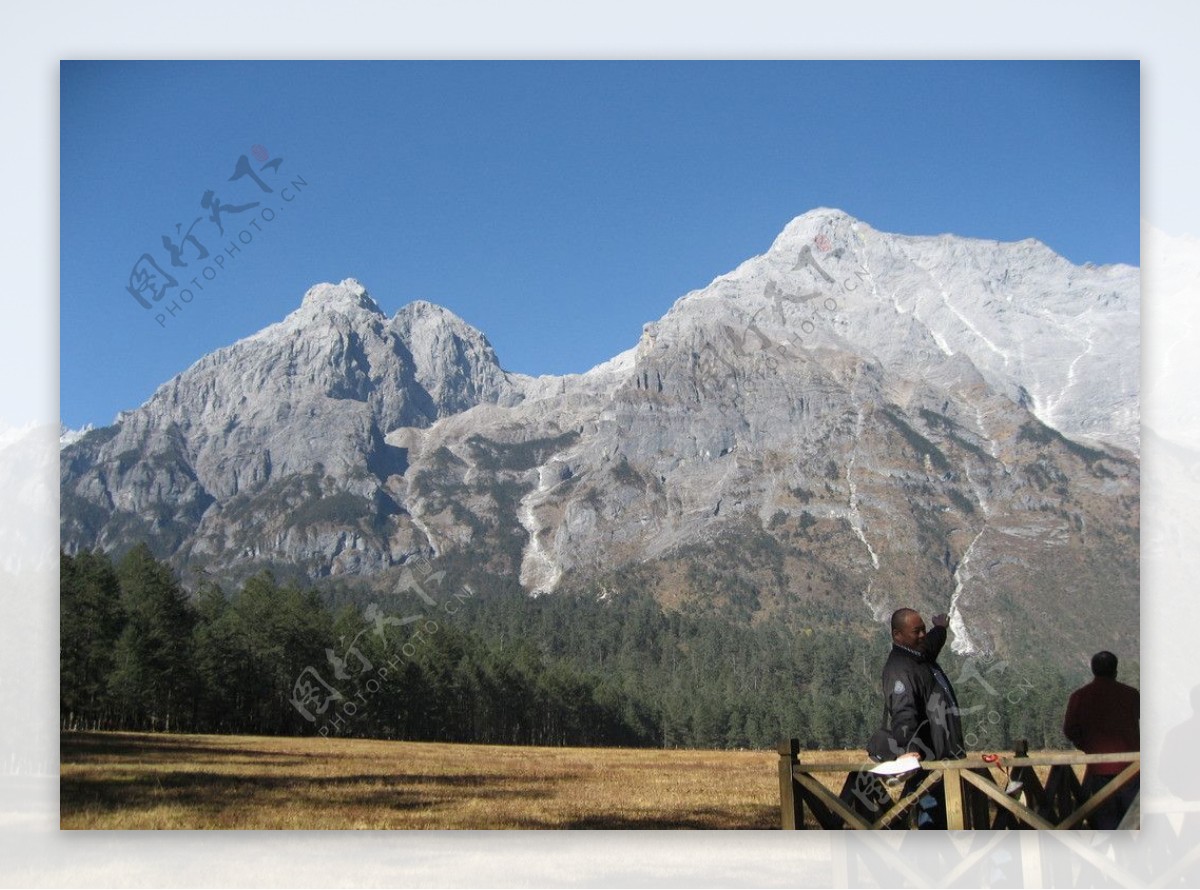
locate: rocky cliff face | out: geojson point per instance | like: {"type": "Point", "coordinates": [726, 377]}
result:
{"type": "Point", "coordinates": [853, 419]}
{"type": "Point", "coordinates": [274, 447]}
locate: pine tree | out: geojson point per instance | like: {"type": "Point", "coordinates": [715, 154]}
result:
{"type": "Point", "coordinates": [89, 626]}
{"type": "Point", "coordinates": [216, 663]}
{"type": "Point", "coordinates": [153, 681]}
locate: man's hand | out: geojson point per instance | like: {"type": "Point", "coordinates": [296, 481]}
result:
{"type": "Point", "coordinates": [941, 620]}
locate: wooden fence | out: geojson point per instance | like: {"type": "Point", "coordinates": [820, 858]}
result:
{"type": "Point", "coordinates": [973, 798]}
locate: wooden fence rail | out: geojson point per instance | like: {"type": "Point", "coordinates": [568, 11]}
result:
{"type": "Point", "coordinates": [973, 797]}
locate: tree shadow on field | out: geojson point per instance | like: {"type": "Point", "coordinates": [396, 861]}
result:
{"type": "Point", "coordinates": [130, 781]}
{"type": "Point", "coordinates": [192, 783]}
{"type": "Point", "coordinates": [85, 747]}
{"type": "Point", "coordinates": [205, 790]}
{"type": "Point", "coordinates": [761, 817]}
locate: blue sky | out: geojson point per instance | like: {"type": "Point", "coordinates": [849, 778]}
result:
{"type": "Point", "coordinates": [555, 206]}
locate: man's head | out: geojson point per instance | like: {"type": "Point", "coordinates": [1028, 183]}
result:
{"type": "Point", "coordinates": [1104, 664]}
{"type": "Point", "coordinates": [908, 629]}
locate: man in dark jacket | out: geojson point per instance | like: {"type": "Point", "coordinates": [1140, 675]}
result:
{"type": "Point", "coordinates": [922, 708]}
{"type": "Point", "coordinates": [1104, 717]}
{"type": "Point", "coordinates": [921, 705]}
{"type": "Point", "coordinates": [951, 740]}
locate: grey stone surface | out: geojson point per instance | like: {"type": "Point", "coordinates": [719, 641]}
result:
{"type": "Point", "coordinates": [852, 418]}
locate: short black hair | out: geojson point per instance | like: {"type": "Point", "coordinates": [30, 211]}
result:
{"type": "Point", "coordinates": [1104, 664]}
{"type": "Point", "coordinates": [898, 618]}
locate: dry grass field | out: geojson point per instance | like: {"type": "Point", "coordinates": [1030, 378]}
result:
{"type": "Point", "coordinates": [132, 780]}
{"type": "Point", "coordinates": [124, 780]}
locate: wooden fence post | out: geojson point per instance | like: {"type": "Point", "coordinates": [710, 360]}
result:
{"type": "Point", "coordinates": [970, 792]}
{"type": "Point", "coordinates": [952, 786]}
{"type": "Point", "coordinates": [791, 807]}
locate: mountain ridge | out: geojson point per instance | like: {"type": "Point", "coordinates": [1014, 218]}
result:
{"type": "Point", "coordinates": [877, 416]}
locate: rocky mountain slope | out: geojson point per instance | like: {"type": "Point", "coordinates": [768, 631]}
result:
{"type": "Point", "coordinates": [851, 421]}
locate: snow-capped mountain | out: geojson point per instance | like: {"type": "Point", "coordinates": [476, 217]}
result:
{"type": "Point", "coordinates": [852, 421]}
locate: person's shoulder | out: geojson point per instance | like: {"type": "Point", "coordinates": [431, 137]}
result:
{"type": "Point", "coordinates": [1108, 684]}
{"type": "Point", "coordinates": [899, 661]}
{"type": "Point", "coordinates": [1083, 696]}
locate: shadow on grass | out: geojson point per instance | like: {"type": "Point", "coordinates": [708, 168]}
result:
{"type": "Point", "coordinates": [212, 792]}
{"type": "Point", "coordinates": [106, 775]}
{"type": "Point", "coordinates": [762, 818]}
{"type": "Point", "coordinates": [189, 783]}
{"type": "Point", "coordinates": [86, 747]}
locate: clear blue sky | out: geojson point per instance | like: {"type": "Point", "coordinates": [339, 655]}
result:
{"type": "Point", "coordinates": [555, 206]}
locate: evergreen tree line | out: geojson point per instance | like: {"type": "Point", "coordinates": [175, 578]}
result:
{"type": "Point", "coordinates": [138, 652]}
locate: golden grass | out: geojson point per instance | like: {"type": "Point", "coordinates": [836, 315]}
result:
{"type": "Point", "coordinates": [142, 780]}
{"type": "Point", "coordinates": [134, 780]}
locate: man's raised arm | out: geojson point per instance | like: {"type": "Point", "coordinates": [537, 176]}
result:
{"type": "Point", "coordinates": [936, 638]}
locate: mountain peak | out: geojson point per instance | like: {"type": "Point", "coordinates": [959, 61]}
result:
{"type": "Point", "coordinates": [824, 213]}
{"type": "Point", "coordinates": [435, 321]}
{"type": "Point", "coordinates": [455, 363]}
{"type": "Point", "coordinates": [349, 294]}
{"type": "Point", "coordinates": [419, 309]}
{"type": "Point", "coordinates": [818, 221]}
{"type": "Point", "coordinates": [888, 414]}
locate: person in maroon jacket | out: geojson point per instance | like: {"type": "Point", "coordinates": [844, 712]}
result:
{"type": "Point", "coordinates": [1103, 718]}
